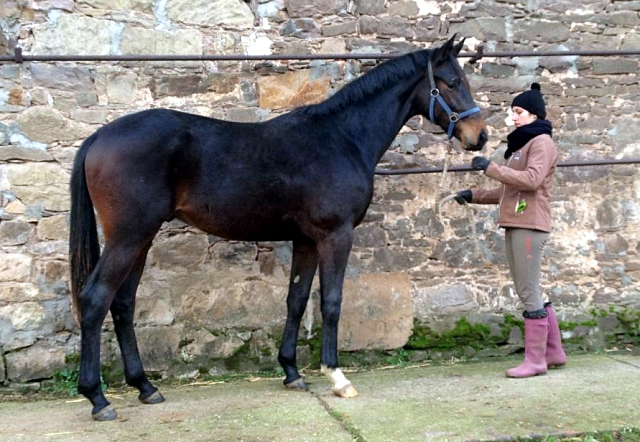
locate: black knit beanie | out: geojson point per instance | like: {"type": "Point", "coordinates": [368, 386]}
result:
{"type": "Point", "coordinates": [532, 101]}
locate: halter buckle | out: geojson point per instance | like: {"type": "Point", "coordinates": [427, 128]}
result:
{"type": "Point", "coordinates": [453, 117]}
{"type": "Point", "coordinates": [435, 92]}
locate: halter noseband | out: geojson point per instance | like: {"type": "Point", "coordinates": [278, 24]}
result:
{"type": "Point", "coordinates": [435, 96]}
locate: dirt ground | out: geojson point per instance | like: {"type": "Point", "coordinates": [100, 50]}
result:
{"type": "Point", "coordinates": [457, 402]}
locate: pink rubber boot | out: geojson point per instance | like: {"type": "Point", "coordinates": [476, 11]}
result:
{"type": "Point", "coordinates": [536, 332]}
{"type": "Point", "coordinates": [555, 355]}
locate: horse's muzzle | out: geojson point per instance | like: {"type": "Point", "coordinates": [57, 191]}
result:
{"type": "Point", "coordinates": [480, 142]}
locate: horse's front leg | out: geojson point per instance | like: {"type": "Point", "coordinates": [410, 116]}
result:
{"type": "Point", "coordinates": [303, 268]}
{"type": "Point", "coordinates": [334, 254]}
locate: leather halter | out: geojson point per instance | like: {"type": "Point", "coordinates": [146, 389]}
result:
{"type": "Point", "coordinates": [435, 96]}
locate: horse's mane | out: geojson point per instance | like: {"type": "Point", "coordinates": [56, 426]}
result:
{"type": "Point", "coordinates": [381, 77]}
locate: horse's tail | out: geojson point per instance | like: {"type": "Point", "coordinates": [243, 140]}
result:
{"type": "Point", "coordinates": [84, 248]}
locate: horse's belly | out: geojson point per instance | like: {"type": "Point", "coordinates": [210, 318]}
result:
{"type": "Point", "coordinates": [247, 227]}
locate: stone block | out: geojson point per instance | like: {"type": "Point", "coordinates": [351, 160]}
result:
{"type": "Point", "coordinates": [340, 29]}
{"type": "Point", "coordinates": [158, 346]}
{"type": "Point", "coordinates": [211, 13]}
{"type": "Point", "coordinates": [2, 369]}
{"type": "Point", "coordinates": [47, 125]}
{"type": "Point", "coordinates": [63, 77]}
{"type": "Point", "coordinates": [377, 312]}
{"type": "Point", "coordinates": [24, 316]}
{"type": "Point", "coordinates": [303, 8]}
{"type": "Point", "coordinates": [222, 300]}
{"type": "Point", "coordinates": [12, 292]}
{"type": "Point", "coordinates": [14, 233]}
{"type": "Point", "coordinates": [615, 66]}
{"type": "Point", "coordinates": [39, 361]}
{"type": "Point", "coordinates": [136, 40]}
{"type": "Point", "coordinates": [391, 27]}
{"type": "Point", "coordinates": [15, 152]}
{"type": "Point", "coordinates": [15, 267]}
{"type": "Point", "coordinates": [369, 7]}
{"type": "Point", "coordinates": [292, 89]}
{"type": "Point", "coordinates": [301, 28]}
{"type": "Point", "coordinates": [44, 183]}
{"type": "Point", "coordinates": [443, 300]}
{"type": "Point", "coordinates": [72, 34]}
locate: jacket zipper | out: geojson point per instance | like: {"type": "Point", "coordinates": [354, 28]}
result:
{"type": "Point", "coordinates": [504, 189]}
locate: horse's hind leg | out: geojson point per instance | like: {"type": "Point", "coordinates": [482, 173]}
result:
{"type": "Point", "coordinates": [94, 302]}
{"type": "Point", "coordinates": [303, 268]}
{"type": "Point", "coordinates": [122, 311]}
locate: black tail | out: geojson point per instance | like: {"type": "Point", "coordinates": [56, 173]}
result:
{"type": "Point", "coordinates": [84, 248]}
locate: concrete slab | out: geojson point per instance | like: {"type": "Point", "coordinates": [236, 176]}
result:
{"type": "Point", "coordinates": [476, 401]}
{"type": "Point", "coordinates": [458, 402]}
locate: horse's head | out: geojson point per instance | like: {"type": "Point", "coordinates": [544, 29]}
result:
{"type": "Point", "coordinates": [444, 97]}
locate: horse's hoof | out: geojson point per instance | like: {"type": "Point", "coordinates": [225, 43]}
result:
{"type": "Point", "coordinates": [297, 385]}
{"type": "Point", "coordinates": [153, 398]}
{"type": "Point", "coordinates": [346, 391]}
{"type": "Point", "coordinates": [108, 413]}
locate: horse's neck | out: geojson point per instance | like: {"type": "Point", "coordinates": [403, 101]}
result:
{"type": "Point", "coordinates": [373, 124]}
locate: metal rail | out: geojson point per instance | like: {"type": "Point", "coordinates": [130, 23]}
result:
{"type": "Point", "coordinates": [416, 170]}
{"type": "Point", "coordinates": [20, 57]}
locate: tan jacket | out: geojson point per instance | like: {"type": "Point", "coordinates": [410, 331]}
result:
{"type": "Point", "coordinates": [526, 179]}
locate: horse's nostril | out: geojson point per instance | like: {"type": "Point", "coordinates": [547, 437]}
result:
{"type": "Point", "coordinates": [483, 138]}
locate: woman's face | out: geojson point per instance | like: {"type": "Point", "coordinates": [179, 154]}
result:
{"type": "Point", "coordinates": [522, 117]}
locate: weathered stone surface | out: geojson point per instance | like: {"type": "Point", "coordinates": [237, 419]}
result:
{"type": "Point", "coordinates": [158, 346]}
{"type": "Point", "coordinates": [211, 12]}
{"type": "Point", "coordinates": [122, 5]}
{"type": "Point", "coordinates": [63, 77]}
{"type": "Point", "coordinates": [302, 8]}
{"type": "Point", "coordinates": [404, 9]}
{"type": "Point", "coordinates": [37, 362]}
{"type": "Point", "coordinates": [292, 89]}
{"type": "Point", "coordinates": [340, 29]}
{"type": "Point", "coordinates": [121, 88]}
{"type": "Point", "coordinates": [24, 316]}
{"type": "Point", "coordinates": [45, 125]}
{"type": "Point", "coordinates": [18, 292]}
{"type": "Point", "coordinates": [14, 267]}
{"type": "Point", "coordinates": [2, 369]}
{"type": "Point", "coordinates": [72, 34]}
{"type": "Point", "coordinates": [220, 301]}
{"type": "Point", "coordinates": [390, 27]}
{"type": "Point", "coordinates": [446, 299]}
{"type": "Point", "coordinates": [44, 183]}
{"type": "Point", "coordinates": [54, 228]}
{"type": "Point", "coordinates": [615, 66]}
{"type": "Point", "coordinates": [178, 253]}
{"type": "Point", "coordinates": [14, 233]}
{"type": "Point", "coordinates": [370, 7]}
{"type": "Point", "coordinates": [301, 28]}
{"type": "Point", "coordinates": [377, 312]}
{"type": "Point", "coordinates": [137, 40]}
{"type": "Point", "coordinates": [542, 30]}
{"type": "Point", "coordinates": [13, 152]}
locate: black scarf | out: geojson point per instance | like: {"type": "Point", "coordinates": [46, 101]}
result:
{"type": "Point", "coordinates": [522, 135]}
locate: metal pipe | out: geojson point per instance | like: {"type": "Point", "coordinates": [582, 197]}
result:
{"type": "Point", "coordinates": [469, 169]}
{"type": "Point", "coordinates": [20, 57]}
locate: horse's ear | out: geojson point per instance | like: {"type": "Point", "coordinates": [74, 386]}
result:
{"type": "Point", "coordinates": [442, 53]}
{"type": "Point", "coordinates": [457, 48]}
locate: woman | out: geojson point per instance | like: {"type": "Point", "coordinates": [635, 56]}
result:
{"type": "Point", "coordinates": [525, 214]}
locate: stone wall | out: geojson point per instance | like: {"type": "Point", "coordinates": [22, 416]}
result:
{"type": "Point", "coordinates": [208, 304]}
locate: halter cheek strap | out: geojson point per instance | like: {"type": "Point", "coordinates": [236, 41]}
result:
{"type": "Point", "coordinates": [435, 96]}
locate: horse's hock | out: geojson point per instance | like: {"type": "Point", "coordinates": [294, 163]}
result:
{"type": "Point", "coordinates": [206, 304]}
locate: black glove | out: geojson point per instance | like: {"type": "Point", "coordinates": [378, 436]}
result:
{"type": "Point", "coordinates": [463, 196]}
{"type": "Point", "coordinates": [480, 163]}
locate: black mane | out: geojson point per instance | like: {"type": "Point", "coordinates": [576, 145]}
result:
{"type": "Point", "coordinates": [379, 78]}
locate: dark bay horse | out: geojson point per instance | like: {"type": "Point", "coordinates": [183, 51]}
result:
{"type": "Point", "coordinates": [306, 177]}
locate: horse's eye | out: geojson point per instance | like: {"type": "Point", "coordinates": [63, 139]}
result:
{"type": "Point", "coordinates": [453, 83]}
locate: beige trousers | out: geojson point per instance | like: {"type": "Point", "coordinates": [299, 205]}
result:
{"type": "Point", "coordinates": [524, 253]}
